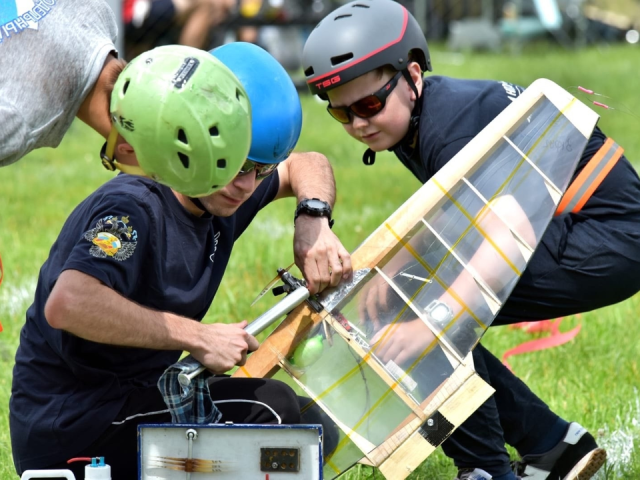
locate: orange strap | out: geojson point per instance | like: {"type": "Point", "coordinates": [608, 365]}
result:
{"type": "Point", "coordinates": [590, 178]}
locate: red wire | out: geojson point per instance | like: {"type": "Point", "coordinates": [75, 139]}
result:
{"type": "Point", "coordinates": [79, 459]}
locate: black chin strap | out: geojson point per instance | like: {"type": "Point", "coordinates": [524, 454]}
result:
{"type": "Point", "coordinates": [199, 205]}
{"type": "Point", "coordinates": [369, 156]}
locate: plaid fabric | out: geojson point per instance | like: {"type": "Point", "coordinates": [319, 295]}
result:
{"type": "Point", "coordinates": [190, 404]}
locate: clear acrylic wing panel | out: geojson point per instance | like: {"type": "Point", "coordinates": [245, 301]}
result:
{"type": "Point", "coordinates": [472, 247]}
{"type": "Point", "coordinates": [384, 354]}
{"type": "Point", "coordinates": [533, 163]}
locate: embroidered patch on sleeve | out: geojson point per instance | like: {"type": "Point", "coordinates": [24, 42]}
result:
{"type": "Point", "coordinates": [112, 237]}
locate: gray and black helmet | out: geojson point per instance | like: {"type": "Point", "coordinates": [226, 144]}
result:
{"type": "Point", "coordinates": [359, 37]}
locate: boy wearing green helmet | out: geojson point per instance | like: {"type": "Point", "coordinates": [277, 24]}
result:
{"type": "Point", "coordinates": [183, 116]}
{"type": "Point", "coordinates": [367, 59]}
{"type": "Point", "coordinates": [133, 271]}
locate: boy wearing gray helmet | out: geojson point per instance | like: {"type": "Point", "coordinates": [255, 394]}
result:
{"type": "Point", "coordinates": [367, 59]}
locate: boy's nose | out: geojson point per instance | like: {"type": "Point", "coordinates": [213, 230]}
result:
{"type": "Point", "coordinates": [358, 122]}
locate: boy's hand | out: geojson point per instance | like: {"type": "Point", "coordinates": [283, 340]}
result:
{"type": "Point", "coordinates": [319, 254]}
{"type": "Point", "coordinates": [373, 302]}
{"type": "Point", "coordinates": [224, 346]}
{"type": "Point", "coordinates": [402, 342]}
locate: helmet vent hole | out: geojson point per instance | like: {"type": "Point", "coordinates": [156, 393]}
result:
{"type": "Point", "coordinates": [213, 131]}
{"type": "Point", "coordinates": [308, 72]}
{"type": "Point", "coordinates": [221, 163]}
{"type": "Point", "coordinates": [341, 59]}
{"type": "Point", "coordinates": [183, 137]}
{"type": "Point", "coordinates": [184, 159]}
{"type": "Point", "coordinates": [359, 5]}
{"type": "Point", "coordinates": [238, 94]}
{"type": "Point", "coordinates": [125, 87]}
{"type": "Point", "coordinates": [340, 17]}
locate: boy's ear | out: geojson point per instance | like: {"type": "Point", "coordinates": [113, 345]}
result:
{"type": "Point", "coordinates": [416, 74]}
{"type": "Point", "coordinates": [125, 153]}
{"type": "Point", "coordinates": [123, 148]}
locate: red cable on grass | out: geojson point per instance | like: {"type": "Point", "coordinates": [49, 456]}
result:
{"type": "Point", "coordinates": [556, 338]}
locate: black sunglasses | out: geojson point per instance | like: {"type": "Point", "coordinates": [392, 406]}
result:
{"type": "Point", "coordinates": [367, 106]}
{"type": "Point", "coordinates": [263, 170]}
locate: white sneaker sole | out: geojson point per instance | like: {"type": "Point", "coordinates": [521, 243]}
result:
{"type": "Point", "coordinates": [588, 465]}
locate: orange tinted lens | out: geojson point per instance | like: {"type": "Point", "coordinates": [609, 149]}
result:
{"type": "Point", "coordinates": [340, 114]}
{"type": "Point", "coordinates": [367, 107]}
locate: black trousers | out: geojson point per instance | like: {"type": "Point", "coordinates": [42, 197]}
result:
{"type": "Point", "coordinates": [260, 401]}
{"type": "Point", "coordinates": [580, 265]}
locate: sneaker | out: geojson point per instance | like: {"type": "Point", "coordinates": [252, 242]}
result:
{"type": "Point", "coordinates": [576, 457]}
{"type": "Point", "coordinates": [473, 474]}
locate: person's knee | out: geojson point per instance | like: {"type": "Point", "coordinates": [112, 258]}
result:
{"type": "Point", "coordinates": [284, 401]}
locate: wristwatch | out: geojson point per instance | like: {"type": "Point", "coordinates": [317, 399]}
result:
{"type": "Point", "coordinates": [439, 312]}
{"type": "Point", "coordinates": [314, 207]}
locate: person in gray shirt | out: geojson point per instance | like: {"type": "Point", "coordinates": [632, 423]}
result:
{"type": "Point", "coordinates": [58, 61]}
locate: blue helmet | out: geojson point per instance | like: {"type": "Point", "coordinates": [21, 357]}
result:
{"type": "Point", "coordinates": [275, 104]}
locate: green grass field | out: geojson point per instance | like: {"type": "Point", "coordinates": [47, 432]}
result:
{"type": "Point", "coordinates": [593, 380]}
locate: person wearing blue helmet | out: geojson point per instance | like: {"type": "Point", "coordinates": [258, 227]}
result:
{"type": "Point", "coordinates": [132, 274]}
{"type": "Point", "coordinates": [276, 125]}
{"type": "Point", "coordinates": [275, 105]}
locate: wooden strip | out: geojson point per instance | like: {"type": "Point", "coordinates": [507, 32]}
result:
{"type": "Point", "coordinates": [581, 116]}
{"type": "Point", "coordinates": [415, 450]}
{"type": "Point", "coordinates": [407, 458]}
{"type": "Point", "coordinates": [263, 363]}
{"type": "Point", "coordinates": [430, 405]}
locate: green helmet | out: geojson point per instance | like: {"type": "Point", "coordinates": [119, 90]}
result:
{"type": "Point", "coordinates": [187, 117]}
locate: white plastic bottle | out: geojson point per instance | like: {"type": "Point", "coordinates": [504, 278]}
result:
{"type": "Point", "coordinates": [96, 470]}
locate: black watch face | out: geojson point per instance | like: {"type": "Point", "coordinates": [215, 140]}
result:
{"type": "Point", "coordinates": [316, 204]}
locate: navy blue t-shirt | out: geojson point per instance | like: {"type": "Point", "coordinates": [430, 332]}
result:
{"type": "Point", "coordinates": [456, 110]}
{"type": "Point", "coordinates": [134, 236]}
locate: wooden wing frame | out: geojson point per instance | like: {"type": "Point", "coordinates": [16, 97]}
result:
{"type": "Point", "coordinates": [530, 151]}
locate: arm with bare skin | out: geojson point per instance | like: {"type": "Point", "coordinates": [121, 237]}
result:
{"type": "Point", "coordinates": [317, 250]}
{"type": "Point", "coordinates": [77, 302]}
